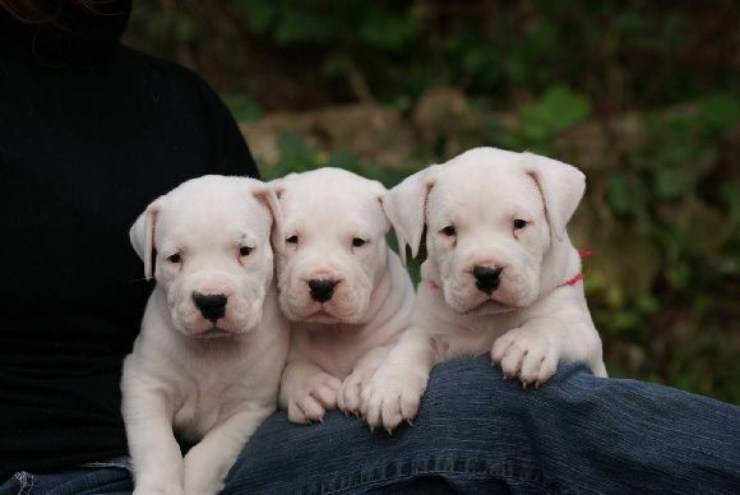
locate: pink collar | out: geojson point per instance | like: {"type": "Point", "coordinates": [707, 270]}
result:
{"type": "Point", "coordinates": [583, 253]}
{"type": "Point", "coordinates": [572, 280]}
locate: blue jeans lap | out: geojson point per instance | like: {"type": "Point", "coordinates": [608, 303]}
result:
{"type": "Point", "coordinates": [478, 433]}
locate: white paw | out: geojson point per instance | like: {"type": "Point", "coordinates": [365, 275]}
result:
{"type": "Point", "coordinates": [349, 396]}
{"type": "Point", "coordinates": [392, 396]}
{"type": "Point", "coordinates": [316, 396]}
{"type": "Point", "coordinates": [527, 355]}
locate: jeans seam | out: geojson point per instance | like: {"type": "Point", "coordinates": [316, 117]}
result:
{"type": "Point", "coordinates": [368, 479]}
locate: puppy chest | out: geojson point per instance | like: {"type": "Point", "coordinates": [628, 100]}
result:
{"type": "Point", "coordinates": [204, 407]}
{"type": "Point", "coordinates": [335, 353]}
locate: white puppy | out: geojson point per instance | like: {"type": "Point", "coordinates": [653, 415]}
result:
{"type": "Point", "coordinates": [501, 275]}
{"type": "Point", "coordinates": [345, 292]}
{"type": "Point", "coordinates": [213, 343]}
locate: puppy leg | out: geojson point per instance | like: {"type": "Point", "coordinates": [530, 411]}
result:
{"type": "Point", "coordinates": [209, 461]}
{"type": "Point", "coordinates": [155, 454]}
{"type": "Point", "coordinates": [530, 352]}
{"type": "Point", "coordinates": [533, 351]}
{"type": "Point", "coordinates": [394, 392]}
{"type": "Point", "coordinates": [307, 391]}
{"type": "Point", "coordinates": [348, 399]}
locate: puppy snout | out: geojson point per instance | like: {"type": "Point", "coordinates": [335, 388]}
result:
{"type": "Point", "coordinates": [211, 306]}
{"type": "Point", "coordinates": [487, 278]}
{"type": "Point", "coordinates": [322, 289]}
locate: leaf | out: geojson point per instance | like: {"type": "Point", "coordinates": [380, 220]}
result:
{"type": "Point", "coordinates": [384, 30]}
{"type": "Point", "coordinates": [258, 14]}
{"type": "Point", "coordinates": [719, 111]}
{"type": "Point", "coordinates": [620, 195]}
{"type": "Point", "coordinates": [244, 107]}
{"type": "Point", "coordinates": [558, 109]}
{"type": "Point", "coordinates": [671, 183]}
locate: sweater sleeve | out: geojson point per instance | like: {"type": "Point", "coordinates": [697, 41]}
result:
{"type": "Point", "coordinates": [231, 155]}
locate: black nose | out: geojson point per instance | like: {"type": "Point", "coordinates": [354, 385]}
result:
{"type": "Point", "coordinates": [211, 306]}
{"type": "Point", "coordinates": [487, 278]}
{"type": "Point", "coordinates": [321, 289]}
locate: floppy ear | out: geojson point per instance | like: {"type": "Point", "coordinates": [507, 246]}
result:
{"type": "Point", "coordinates": [278, 185]}
{"type": "Point", "coordinates": [562, 188]}
{"type": "Point", "coordinates": [267, 196]}
{"type": "Point", "coordinates": [142, 235]}
{"type": "Point", "coordinates": [379, 191]}
{"type": "Point", "coordinates": [405, 207]}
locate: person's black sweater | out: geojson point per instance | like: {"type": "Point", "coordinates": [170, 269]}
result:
{"type": "Point", "coordinates": [90, 133]}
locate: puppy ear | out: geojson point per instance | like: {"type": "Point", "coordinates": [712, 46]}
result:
{"type": "Point", "coordinates": [562, 187]}
{"type": "Point", "coordinates": [267, 195]}
{"type": "Point", "coordinates": [278, 185]}
{"type": "Point", "coordinates": [379, 191]}
{"type": "Point", "coordinates": [405, 207]}
{"type": "Point", "coordinates": [142, 235]}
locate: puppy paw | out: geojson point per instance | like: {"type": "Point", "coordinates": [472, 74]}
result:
{"type": "Point", "coordinates": [392, 396]}
{"type": "Point", "coordinates": [526, 354]}
{"type": "Point", "coordinates": [349, 396]}
{"type": "Point", "coordinates": [316, 396]}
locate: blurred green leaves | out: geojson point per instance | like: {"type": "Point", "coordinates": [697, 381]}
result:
{"type": "Point", "coordinates": [557, 110]}
{"type": "Point", "coordinates": [662, 210]}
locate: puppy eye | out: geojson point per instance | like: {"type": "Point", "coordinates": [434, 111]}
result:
{"type": "Point", "coordinates": [357, 242]}
{"type": "Point", "coordinates": [174, 258]}
{"type": "Point", "coordinates": [449, 231]}
{"type": "Point", "coordinates": [519, 224]}
{"type": "Point", "coordinates": [292, 239]}
{"type": "Point", "coordinates": [245, 250]}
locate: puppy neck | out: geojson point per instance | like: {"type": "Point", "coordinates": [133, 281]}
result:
{"type": "Point", "coordinates": [560, 263]}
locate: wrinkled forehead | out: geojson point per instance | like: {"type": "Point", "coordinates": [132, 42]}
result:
{"type": "Point", "coordinates": [485, 189]}
{"type": "Point", "coordinates": [330, 206]}
{"type": "Point", "coordinates": [213, 216]}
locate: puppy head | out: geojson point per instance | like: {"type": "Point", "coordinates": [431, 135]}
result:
{"type": "Point", "coordinates": [491, 217]}
{"type": "Point", "coordinates": [207, 243]}
{"type": "Point", "coordinates": [335, 249]}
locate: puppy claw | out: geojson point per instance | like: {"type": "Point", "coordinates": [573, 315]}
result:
{"type": "Point", "coordinates": [389, 430]}
{"type": "Point", "coordinates": [410, 422]}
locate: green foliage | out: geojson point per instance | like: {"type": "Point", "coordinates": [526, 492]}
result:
{"type": "Point", "coordinates": [650, 89]}
{"type": "Point", "coordinates": [539, 124]}
{"type": "Point", "coordinates": [243, 107]}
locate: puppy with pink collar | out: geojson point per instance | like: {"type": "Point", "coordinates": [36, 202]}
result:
{"type": "Point", "coordinates": [501, 276]}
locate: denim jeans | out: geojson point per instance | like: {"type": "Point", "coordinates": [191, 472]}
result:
{"type": "Point", "coordinates": [478, 433]}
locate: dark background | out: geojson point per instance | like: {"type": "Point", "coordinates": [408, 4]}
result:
{"type": "Point", "coordinates": [642, 95]}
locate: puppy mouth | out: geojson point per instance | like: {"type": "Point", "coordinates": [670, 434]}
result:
{"type": "Point", "coordinates": [490, 306]}
{"type": "Point", "coordinates": [321, 314]}
{"type": "Point", "coordinates": [214, 332]}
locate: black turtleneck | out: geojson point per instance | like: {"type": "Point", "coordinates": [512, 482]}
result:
{"type": "Point", "coordinates": [90, 132]}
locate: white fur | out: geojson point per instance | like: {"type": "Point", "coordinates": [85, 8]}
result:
{"type": "Point", "coordinates": [211, 383]}
{"type": "Point", "coordinates": [530, 323]}
{"type": "Point", "coordinates": [337, 345]}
